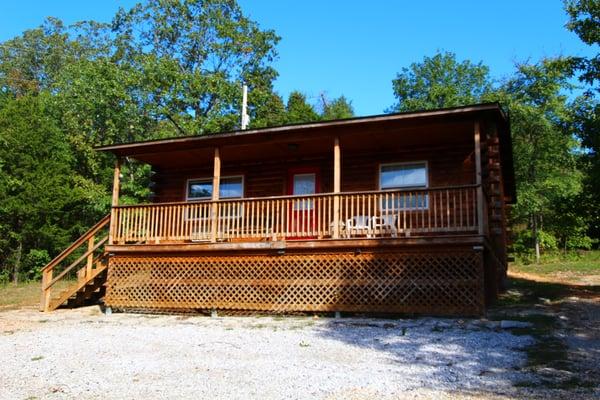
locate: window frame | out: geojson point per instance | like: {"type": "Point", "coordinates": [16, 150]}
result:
{"type": "Point", "coordinates": [405, 163]}
{"type": "Point", "coordinates": [210, 179]}
{"type": "Point", "coordinates": [417, 207]}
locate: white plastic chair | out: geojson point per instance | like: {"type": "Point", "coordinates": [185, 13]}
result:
{"type": "Point", "coordinates": [385, 224]}
{"type": "Point", "coordinates": [359, 225]}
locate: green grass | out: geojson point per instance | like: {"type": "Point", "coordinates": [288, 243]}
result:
{"type": "Point", "coordinates": [26, 294]}
{"type": "Point", "coordinates": [583, 263]}
{"type": "Point", "coordinates": [20, 295]}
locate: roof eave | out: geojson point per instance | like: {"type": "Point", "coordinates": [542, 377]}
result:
{"type": "Point", "coordinates": [126, 149]}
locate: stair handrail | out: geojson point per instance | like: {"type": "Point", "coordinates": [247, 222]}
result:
{"type": "Point", "coordinates": [47, 272]}
{"type": "Point", "coordinates": [73, 246]}
{"type": "Point", "coordinates": [76, 262]}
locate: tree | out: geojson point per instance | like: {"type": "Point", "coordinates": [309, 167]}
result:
{"type": "Point", "coordinates": [336, 109]}
{"type": "Point", "coordinates": [40, 197]}
{"type": "Point", "coordinates": [162, 68]}
{"type": "Point", "coordinates": [194, 55]}
{"type": "Point", "coordinates": [544, 147]}
{"type": "Point", "coordinates": [584, 20]}
{"type": "Point", "coordinates": [298, 110]}
{"type": "Point", "coordinates": [440, 81]}
{"type": "Point", "coordinates": [586, 125]}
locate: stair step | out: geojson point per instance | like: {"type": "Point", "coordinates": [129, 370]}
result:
{"type": "Point", "coordinates": [86, 290]}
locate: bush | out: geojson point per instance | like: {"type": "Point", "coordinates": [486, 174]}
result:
{"type": "Point", "coordinates": [579, 242]}
{"type": "Point", "coordinates": [4, 277]}
{"type": "Point", "coordinates": [524, 242]}
{"type": "Point", "coordinates": [33, 263]}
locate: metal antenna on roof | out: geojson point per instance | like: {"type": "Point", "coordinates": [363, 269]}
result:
{"type": "Point", "coordinates": [245, 117]}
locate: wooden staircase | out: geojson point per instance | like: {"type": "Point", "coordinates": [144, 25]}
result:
{"type": "Point", "coordinates": [82, 280]}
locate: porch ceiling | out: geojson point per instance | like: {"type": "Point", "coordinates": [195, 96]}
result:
{"type": "Point", "coordinates": [381, 138]}
{"type": "Point", "coordinates": [404, 131]}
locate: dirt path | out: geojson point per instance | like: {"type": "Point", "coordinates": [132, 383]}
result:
{"type": "Point", "coordinates": [566, 325]}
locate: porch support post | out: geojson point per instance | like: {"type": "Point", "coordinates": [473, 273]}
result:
{"type": "Point", "coordinates": [115, 199]}
{"type": "Point", "coordinates": [336, 187]}
{"type": "Point", "coordinates": [116, 183]}
{"type": "Point", "coordinates": [215, 195]}
{"type": "Point", "coordinates": [478, 179]}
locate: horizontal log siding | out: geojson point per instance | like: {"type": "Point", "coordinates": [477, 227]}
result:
{"type": "Point", "coordinates": [360, 172]}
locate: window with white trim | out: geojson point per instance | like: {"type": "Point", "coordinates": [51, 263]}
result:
{"type": "Point", "coordinates": [230, 187]}
{"type": "Point", "coordinates": [407, 176]}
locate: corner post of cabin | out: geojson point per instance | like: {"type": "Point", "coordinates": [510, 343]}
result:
{"type": "Point", "coordinates": [336, 187]}
{"type": "Point", "coordinates": [115, 200]}
{"type": "Point", "coordinates": [478, 177]}
{"type": "Point", "coordinates": [215, 195]}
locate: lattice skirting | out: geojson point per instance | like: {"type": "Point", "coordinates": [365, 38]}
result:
{"type": "Point", "coordinates": [449, 282]}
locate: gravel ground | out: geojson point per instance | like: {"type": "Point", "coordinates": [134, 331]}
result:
{"type": "Point", "coordinates": [88, 355]}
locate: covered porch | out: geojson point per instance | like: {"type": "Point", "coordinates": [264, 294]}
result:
{"type": "Point", "coordinates": [377, 178]}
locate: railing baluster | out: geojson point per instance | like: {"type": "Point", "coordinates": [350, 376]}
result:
{"type": "Point", "coordinates": [306, 216]}
{"type": "Point", "coordinates": [447, 210]}
{"type": "Point", "coordinates": [467, 209]}
{"type": "Point", "coordinates": [454, 223]}
{"type": "Point", "coordinates": [427, 198]}
{"type": "Point", "coordinates": [460, 207]}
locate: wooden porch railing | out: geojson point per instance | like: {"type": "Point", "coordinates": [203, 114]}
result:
{"type": "Point", "coordinates": [89, 248]}
{"type": "Point", "coordinates": [394, 213]}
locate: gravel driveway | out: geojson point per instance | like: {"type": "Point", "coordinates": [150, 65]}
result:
{"type": "Point", "coordinates": [86, 354]}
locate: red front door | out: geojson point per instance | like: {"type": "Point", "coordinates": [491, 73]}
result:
{"type": "Point", "coordinates": [302, 223]}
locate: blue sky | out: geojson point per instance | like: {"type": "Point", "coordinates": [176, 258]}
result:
{"type": "Point", "coordinates": [356, 48]}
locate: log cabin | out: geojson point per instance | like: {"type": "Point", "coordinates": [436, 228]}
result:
{"type": "Point", "coordinates": [397, 213]}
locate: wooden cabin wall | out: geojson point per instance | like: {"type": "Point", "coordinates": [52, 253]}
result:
{"type": "Point", "coordinates": [360, 172]}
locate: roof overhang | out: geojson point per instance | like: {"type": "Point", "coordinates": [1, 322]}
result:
{"type": "Point", "coordinates": [306, 131]}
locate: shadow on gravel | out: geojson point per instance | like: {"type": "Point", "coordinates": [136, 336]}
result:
{"type": "Point", "coordinates": [565, 322]}
{"type": "Point", "coordinates": [476, 356]}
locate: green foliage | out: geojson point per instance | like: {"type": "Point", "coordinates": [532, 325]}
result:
{"type": "Point", "coordinates": [544, 145]}
{"type": "Point", "coordinates": [39, 194]}
{"type": "Point", "coordinates": [440, 81]}
{"type": "Point", "coordinates": [547, 132]}
{"type": "Point", "coordinates": [33, 263]}
{"type": "Point", "coordinates": [298, 110]}
{"type": "Point", "coordinates": [337, 109]}
{"type": "Point", "coordinates": [193, 55]}
{"type": "Point", "coordinates": [524, 241]}
{"type": "Point", "coordinates": [159, 69]}
{"type": "Point", "coordinates": [584, 17]}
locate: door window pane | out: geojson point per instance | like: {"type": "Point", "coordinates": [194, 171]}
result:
{"type": "Point", "coordinates": [304, 184]}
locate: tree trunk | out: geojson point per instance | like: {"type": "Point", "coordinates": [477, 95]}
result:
{"type": "Point", "coordinates": [536, 239]}
{"type": "Point", "coordinates": [17, 263]}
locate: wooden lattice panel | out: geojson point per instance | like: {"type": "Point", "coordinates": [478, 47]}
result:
{"type": "Point", "coordinates": [435, 283]}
